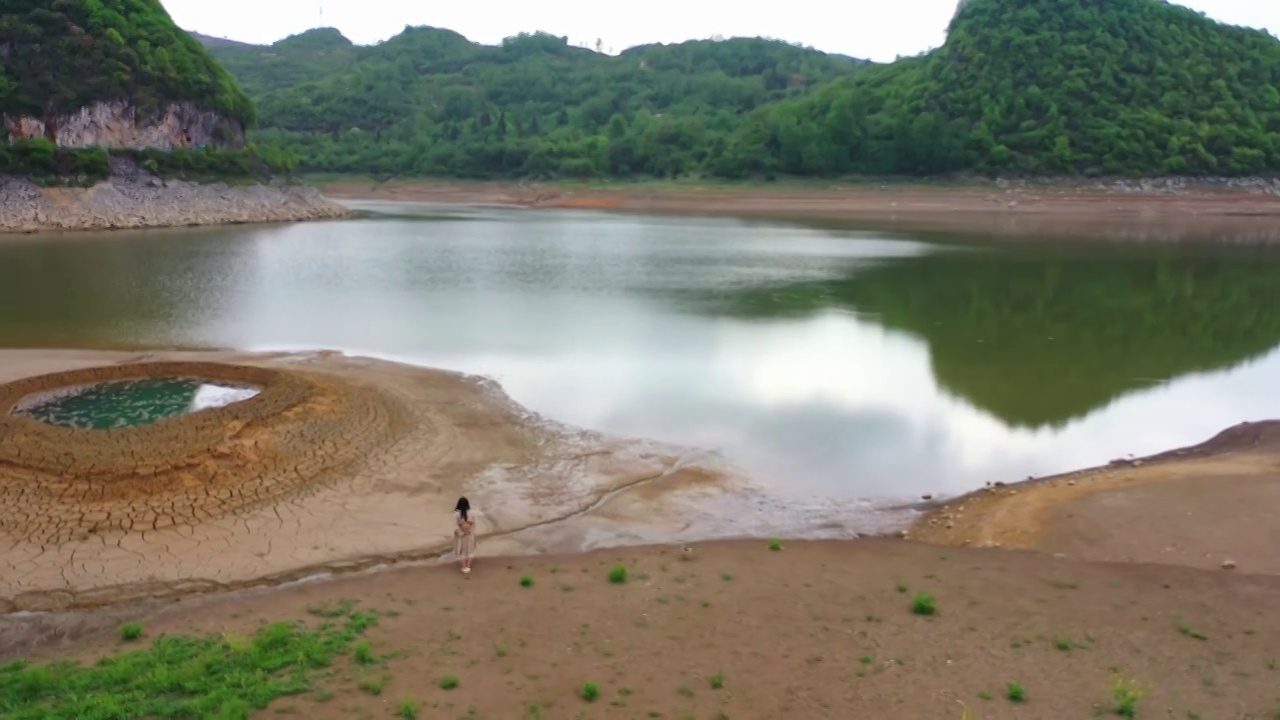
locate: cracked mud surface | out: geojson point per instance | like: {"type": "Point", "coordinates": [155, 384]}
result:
{"type": "Point", "coordinates": [338, 464]}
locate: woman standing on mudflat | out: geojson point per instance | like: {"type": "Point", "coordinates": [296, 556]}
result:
{"type": "Point", "coordinates": [464, 536]}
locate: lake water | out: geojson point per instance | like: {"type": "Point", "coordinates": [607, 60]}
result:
{"type": "Point", "coordinates": [828, 363]}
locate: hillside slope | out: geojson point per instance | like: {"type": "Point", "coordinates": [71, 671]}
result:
{"type": "Point", "coordinates": [1041, 87]}
{"type": "Point", "coordinates": [59, 57]}
{"type": "Point", "coordinates": [429, 101]}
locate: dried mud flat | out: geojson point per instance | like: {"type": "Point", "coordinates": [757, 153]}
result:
{"type": "Point", "coordinates": [338, 464]}
{"type": "Point", "coordinates": [1106, 591]}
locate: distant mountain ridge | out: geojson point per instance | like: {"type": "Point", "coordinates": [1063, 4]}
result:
{"type": "Point", "coordinates": [1092, 87]}
{"type": "Point", "coordinates": [1020, 87]}
{"type": "Point", "coordinates": [429, 101]}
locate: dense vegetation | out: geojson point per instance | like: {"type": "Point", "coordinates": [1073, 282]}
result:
{"type": "Point", "coordinates": [429, 101]}
{"type": "Point", "coordinates": [40, 160]}
{"type": "Point", "coordinates": [1020, 86]}
{"type": "Point", "coordinates": [58, 56]}
{"type": "Point", "coordinates": [1038, 87]}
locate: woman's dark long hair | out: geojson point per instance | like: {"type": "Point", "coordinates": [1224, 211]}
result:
{"type": "Point", "coordinates": [463, 507]}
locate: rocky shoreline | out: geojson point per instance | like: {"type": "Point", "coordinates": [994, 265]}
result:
{"type": "Point", "coordinates": [149, 202]}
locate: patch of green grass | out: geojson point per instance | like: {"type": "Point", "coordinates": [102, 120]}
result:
{"type": "Point", "coordinates": [984, 695]}
{"type": "Point", "coordinates": [866, 659]}
{"type": "Point", "coordinates": [408, 709]}
{"type": "Point", "coordinates": [924, 604]}
{"type": "Point", "coordinates": [182, 676]}
{"type": "Point", "coordinates": [1125, 695]}
{"type": "Point", "coordinates": [727, 577]}
{"type": "Point", "coordinates": [526, 581]}
{"type": "Point", "coordinates": [1063, 643]}
{"type": "Point", "coordinates": [684, 692]}
{"type": "Point", "coordinates": [717, 681]}
{"type": "Point", "coordinates": [364, 653]}
{"type": "Point", "coordinates": [1016, 693]}
{"type": "Point", "coordinates": [448, 682]}
{"type": "Point", "coordinates": [590, 691]}
{"type": "Point", "coordinates": [775, 545]}
{"type": "Point", "coordinates": [902, 587]}
{"type": "Point", "coordinates": [618, 574]}
{"type": "Point", "coordinates": [374, 685]}
{"type": "Point", "coordinates": [130, 632]}
{"type": "Point", "coordinates": [1191, 632]}
{"type": "Point", "coordinates": [343, 608]}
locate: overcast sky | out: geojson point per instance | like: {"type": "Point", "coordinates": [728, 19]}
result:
{"type": "Point", "coordinates": [877, 30]}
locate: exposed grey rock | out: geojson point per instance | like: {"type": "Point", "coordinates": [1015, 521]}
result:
{"type": "Point", "coordinates": [142, 201]}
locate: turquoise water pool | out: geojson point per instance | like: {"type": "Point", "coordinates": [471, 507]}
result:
{"type": "Point", "coordinates": [128, 403]}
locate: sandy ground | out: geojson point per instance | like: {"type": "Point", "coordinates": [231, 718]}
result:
{"type": "Point", "coordinates": [537, 485]}
{"type": "Point", "coordinates": [1061, 585]}
{"type": "Point", "coordinates": [1041, 212]}
{"type": "Point", "coordinates": [1202, 506]}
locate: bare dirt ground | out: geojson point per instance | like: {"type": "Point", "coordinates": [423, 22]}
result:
{"type": "Point", "coordinates": [814, 630]}
{"type": "Point", "coordinates": [1042, 212]}
{"type": "Point", "coordinates": [1060, 588]}
{"type": "Point", "coordinates": [1202, 506]}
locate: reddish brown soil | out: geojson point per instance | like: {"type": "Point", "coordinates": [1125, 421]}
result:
{"type": "Point", "coordinates": [816, 630]}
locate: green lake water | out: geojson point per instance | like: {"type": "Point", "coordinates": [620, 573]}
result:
{"type": "Point", "coordinates": [829, 363]}
{"type": "Point", "coordinates": [128, 403]}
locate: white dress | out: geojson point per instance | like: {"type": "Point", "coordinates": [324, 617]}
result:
{"type": "Point", "coordinates": [464, 543]}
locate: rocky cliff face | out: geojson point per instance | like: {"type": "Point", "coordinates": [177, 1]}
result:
{"type": "Point", "coordinates": [121, 125]}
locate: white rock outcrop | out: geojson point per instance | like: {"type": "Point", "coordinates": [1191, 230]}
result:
{"type": "Point", "coordinates": [121, 125]}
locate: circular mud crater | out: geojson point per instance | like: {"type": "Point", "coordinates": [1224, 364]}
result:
{"type": "Point", "coordinates": [258, 435]}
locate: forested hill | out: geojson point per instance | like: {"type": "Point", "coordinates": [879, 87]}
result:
{"type": "Point", "coordinates": [429, 101]}
{"type": "Point", "coordinates": [1042, 87]}
{"type": "Point", "coordinates": [1028, 87]}
{"type": "Point", "coordinates": [57, 57]}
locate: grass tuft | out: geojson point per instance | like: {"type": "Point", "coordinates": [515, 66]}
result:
{"type": "Point", "coordinates": [408, 709]}
{"type": "Point", "coordinates": [526, 581]}
{"type": "Point", "coordinates": [618, 574]}
{"type": "Point", "coordinates": [590, 691]}
{"type": "Point", "coordinates": [1016, 693]}
{"type": "Point", "coordinates": [1125, 695]}
{"type": "Point", "coordinates": [924, 604]}
{"type": "Point", "coordinates": [130, 632]}
{"type": "Point", "coordinates": [448, 682]}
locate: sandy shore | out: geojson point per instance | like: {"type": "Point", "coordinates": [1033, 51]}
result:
{"type": "Point", "coordinates": [1060, 585]}
{"type": "Point", "coordinates": [1202, 506]}
{"type": "Point", "coordinates": [415, 440]}
{"type": "Point", "coordinates": [1126, 212]}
